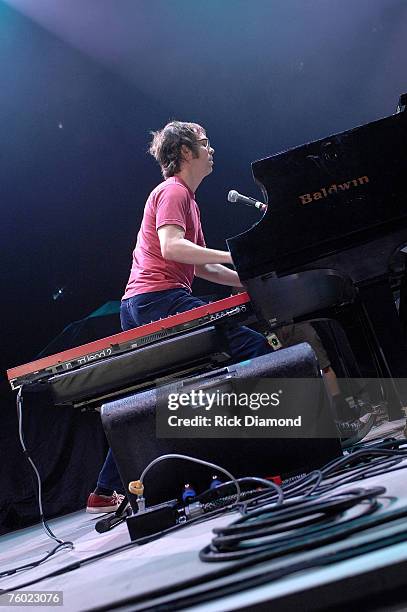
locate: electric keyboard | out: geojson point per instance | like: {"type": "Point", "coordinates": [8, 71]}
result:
{"type": "Point", "coordinates": [234, 307]}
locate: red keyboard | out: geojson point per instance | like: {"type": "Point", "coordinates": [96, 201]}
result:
{"type": "Point", "coordinates": [79, 356]}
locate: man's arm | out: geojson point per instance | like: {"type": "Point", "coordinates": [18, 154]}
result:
{"type": "Point", "coordinates": [216, 273]}
{"type": "Point", "coordinates": [175, 247]}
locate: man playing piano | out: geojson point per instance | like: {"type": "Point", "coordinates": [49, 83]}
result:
{"type": "Point", "coordinates": [169, 252]}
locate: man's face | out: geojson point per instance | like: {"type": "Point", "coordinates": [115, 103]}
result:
{"type": "Point", "coordinates": [204, 161]}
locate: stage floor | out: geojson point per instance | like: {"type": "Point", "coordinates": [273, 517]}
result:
{"type": "Point", "coordinates": [104, 583]}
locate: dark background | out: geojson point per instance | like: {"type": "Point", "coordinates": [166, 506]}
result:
{"type": "Point", "coordinates": [82, 83]}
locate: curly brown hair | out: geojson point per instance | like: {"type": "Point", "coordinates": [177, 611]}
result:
{"type": "Point", "coordinates": [166, 145]}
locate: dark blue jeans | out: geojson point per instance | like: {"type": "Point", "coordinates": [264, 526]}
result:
{"type": "Point", "coordinates": [244, 343]}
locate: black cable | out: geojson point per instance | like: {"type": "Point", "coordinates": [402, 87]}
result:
{"type": "Point", "coordinates": [362, 467]}
{"type": "Point", "coordinates": [233, 542]}
{"type": "Point", "coordinates": [289, 489]}
{"type": "Point", "coordinates": [360, 464]}
{"type": "Point", "coordinates": [217, 491]}
{"type": "Point", "coordinates": [358, 455]}
{"type": "Point", "coordinates": [340, 471]}
{"type": "Point", "coordinates": [230, 499]}
{"type": "Point", "coordinates": [45, 525]}
{"type": "Point", "coordinates": [318, 526]}
{"type": "Point", "coordinates": [209, 514]}
{"type": "Point", "coordinates": [363, 464]}
{"type": "Point", "coordinates": [33, 564]}
{"type": "Point", "coordinates": [78, 564]}
{"type": "Point", "coordinates": [301, 486]}
{"type": "Point", "coordinates": [300, 508]}
{"type": "Point", "coordinates": [386, 443]}
{"type": "Point", "coordinates": [174, 598]}
{"type": "Point", "coordinates": [61, 543]}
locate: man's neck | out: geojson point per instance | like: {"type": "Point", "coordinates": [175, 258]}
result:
{"type": "Point", "coordinates": [190, 179]}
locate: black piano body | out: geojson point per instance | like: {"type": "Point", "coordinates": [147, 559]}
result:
{"type": "Point", "coordinates": [333, 233]}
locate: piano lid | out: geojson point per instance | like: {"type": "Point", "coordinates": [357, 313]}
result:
{"type": "Point", "coordinates": [327, 196]}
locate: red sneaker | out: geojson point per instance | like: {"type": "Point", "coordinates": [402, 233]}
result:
{"type": "Point", "coordinates": [98, 504]}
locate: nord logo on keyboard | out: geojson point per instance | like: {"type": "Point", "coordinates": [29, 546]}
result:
{"type": "Point", "coordinates": [93, 356]}
{"type": "Point", "coordinates": [325, 192]}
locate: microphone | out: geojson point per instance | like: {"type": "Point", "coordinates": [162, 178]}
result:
{"type": "Point", "coordinates": [109, 523]}
{"type": "Point", "coordinates": [121, 514]}
{"type": "Point", "coordinates": [235, 196]}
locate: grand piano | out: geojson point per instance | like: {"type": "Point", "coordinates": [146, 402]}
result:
{"type": "Point", "coordinates": [333, 234]}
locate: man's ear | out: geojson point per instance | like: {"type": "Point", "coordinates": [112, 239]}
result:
{"type": "Point", "coordinates": [186, 153]}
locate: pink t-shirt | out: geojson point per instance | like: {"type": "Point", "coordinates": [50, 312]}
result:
{"type": "Point", "coordinates": [170, 203]}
